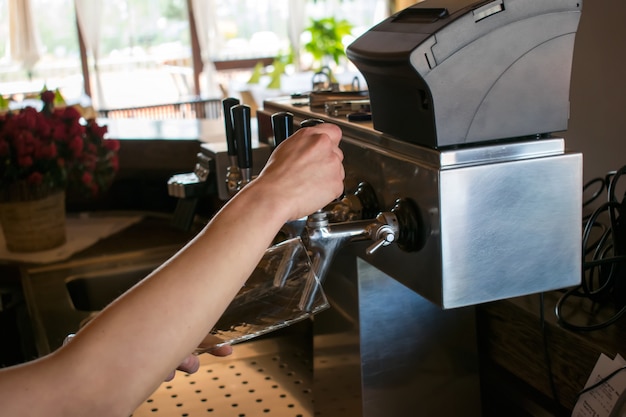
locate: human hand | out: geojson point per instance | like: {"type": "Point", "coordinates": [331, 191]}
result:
{"type": "Point", "coordinates": [191, 364]}
{"type": "Point", "coordinates": [305, 172]}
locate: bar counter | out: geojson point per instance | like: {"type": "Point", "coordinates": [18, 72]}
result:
{"type": "Point", "coordinates": [151, 145]}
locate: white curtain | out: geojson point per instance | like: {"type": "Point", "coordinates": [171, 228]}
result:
{"type": "Point", "coordinates": [206, 26]}
{"type": "Point", "coordinates": [24, 42]}
{"type": "Point", "coordinates": [88, 14]}
{"type": "Point", "coordinates": [381, 10]}
{"type": "Point", "coordinates": [297, 22]}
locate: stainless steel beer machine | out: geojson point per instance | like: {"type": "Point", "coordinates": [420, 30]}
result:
{"type": "Point", "coordinates": [458, 193]}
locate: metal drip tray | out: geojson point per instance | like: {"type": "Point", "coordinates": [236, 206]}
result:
{"type": "Point", "coordinates": [266, 377]}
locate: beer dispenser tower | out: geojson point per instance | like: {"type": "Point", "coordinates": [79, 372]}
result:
{"type": "Point", "coordinates": [463, 193]}
{"type": "Point", "coordinates": [466, 97]}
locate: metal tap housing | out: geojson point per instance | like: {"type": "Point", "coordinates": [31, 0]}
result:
{"type": "Point", "coordinates": [324, 239]}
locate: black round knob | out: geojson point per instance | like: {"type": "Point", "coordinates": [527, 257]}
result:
{"type": "Point", "coordinates": [369, 203]}
{"type": "Point", "coordinates": [311, 122]}
{"type": "Point", "coordinates": [413, 234]}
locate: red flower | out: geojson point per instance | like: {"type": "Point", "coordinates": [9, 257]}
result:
{"type": "Point", "coordinates": [28, 118]}
{"type": "Point", "coordinates": [46, 151]}
{"type": "Point", "coordinates": [35, 178]}
{"type": "Point", "coordinates": [112, 145]}
{"type": "Point", "coordinates": [24, 161]}
{"type": "Point", "coordinates": [47, 97]}
{"type": "Point", "coordinates": [98, 130]}
{"type": "Point", "coordinates": [76, 146]}
{"type": "Point", "coordinates": [70, 113]}
{"type": "Point", "coordinates": [4, 147]}
{"type": "Point", "coordinates": [59, 133]}
{"type": "Point", "coordinates": [115, 162]}
{"type": "Point", "coordinates": [87, 178]}
{"type": "Point", "coordinates": [55, 148]}
{"type": "Point", "coordinates": [90, 162]}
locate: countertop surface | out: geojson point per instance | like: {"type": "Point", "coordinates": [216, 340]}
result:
{"type": "Point", "coordinates": [82, 230]}
{"type": "Point", "coordinates": [203, 130]}
{"type": "Point", "coordinates": [116, 232]}
{"type": "Point", "coordinates": [137, 249]}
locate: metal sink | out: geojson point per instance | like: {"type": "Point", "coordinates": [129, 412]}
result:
{"type": "Point", "coordinates": [63, 296]}
{"type": "Point", "coordinates": [94, 291]}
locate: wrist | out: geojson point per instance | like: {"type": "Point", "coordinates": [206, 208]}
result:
{"type": "Point", "coordinates": [267, 202]}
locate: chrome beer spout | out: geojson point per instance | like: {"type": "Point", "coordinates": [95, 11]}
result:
{"type": "Point", "coordinates": [188, 188]}
{"type": "Point", "coordinates": [359, 205]}
{"type": "Point", "coordinates": [324, 239]}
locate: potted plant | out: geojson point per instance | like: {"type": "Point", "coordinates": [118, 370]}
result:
{"type": "Point", "coordinates": [43, 154]}
{"type": "Point", "coordinates": [326, 40]}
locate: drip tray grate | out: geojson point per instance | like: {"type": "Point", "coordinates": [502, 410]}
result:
{"type": "Point", "coordinates": [261, 378]}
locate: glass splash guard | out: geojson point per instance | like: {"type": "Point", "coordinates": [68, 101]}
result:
{"type": "Point", "coordinates": [282, 290]}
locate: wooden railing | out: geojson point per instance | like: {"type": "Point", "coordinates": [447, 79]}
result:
{"type": "Point", "coordinates": [192, 109]}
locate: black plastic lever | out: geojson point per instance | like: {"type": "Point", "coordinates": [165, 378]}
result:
{"type": "Point", "coordinates": [241, 115]}
{"type": "Point", "coordinates": [282, 125]}
{"type": "Point", "coordinates": [228, 104]}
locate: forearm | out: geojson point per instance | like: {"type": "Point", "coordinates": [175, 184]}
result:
{"type": "Point", "coordinates": [167, 318]}
{"type": "Point", "coordinates": [123, 354]}
{"type": "Point", "coordinates": [163, 320]}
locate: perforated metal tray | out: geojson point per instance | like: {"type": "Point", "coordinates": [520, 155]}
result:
{"type": "Point", "coordinates": [267, 377]}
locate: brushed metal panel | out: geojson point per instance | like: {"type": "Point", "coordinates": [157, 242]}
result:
{"type": "Point", "coordinates": [494, 230]}
{"type": "Point", "coordinates": [415, 357]}
{"type": "Point", "coordinates": [510, 229]}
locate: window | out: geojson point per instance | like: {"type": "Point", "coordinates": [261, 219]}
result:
{"type": "Point", "coordinates": [145, 46]}
{"type": "Point", "coordinates": [59, 63]}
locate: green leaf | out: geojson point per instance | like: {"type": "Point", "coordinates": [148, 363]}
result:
{"type": "Point", "coordinates": [279, 69]}
{"type": "Point", "coordinates": [58, 98]}
{"type": "Point", "coordinates": [4, 103]}
{"type": "Point", "coordinates": [256, 73]}
{"type": "Point", "coordinates": [327, 38]}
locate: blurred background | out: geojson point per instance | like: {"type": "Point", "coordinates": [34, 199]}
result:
{"type": "Point", "coordinates": [126, 53]}
{"type": "Point", "coordinates": [133, 53]}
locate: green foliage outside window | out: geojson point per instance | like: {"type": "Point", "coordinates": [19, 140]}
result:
{"type": "Point", "coordinates": [327, 39]}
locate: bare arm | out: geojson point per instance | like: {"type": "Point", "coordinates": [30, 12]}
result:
{"type": "Point", "coordinates": [122, 355]}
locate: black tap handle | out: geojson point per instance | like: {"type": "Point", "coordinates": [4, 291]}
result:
{"type": "Point", "coordinates": [282, 124]}
{"type": "Point", "coordinates": [241, 114]}
{"type": "Point", "coordinates": [311, 122]}
{"type": "Point", "coordinates": [228, 104]}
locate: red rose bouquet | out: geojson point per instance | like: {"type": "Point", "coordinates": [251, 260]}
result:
{"type": "Point", "coordinates": [54, 149]}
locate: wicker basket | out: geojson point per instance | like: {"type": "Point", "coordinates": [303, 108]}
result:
{"type": "Point", "coordinates": [34, 225]}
